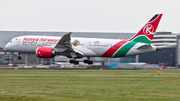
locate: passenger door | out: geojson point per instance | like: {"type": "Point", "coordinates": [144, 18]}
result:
{"type": "Point", "coordinates": [18, 41]}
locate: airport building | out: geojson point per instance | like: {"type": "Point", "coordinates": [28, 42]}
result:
{"type": "Point", "coordinates": [167, 55]}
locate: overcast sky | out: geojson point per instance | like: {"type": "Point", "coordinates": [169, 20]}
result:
{"type": "Point", "coordinates": [87, 15]}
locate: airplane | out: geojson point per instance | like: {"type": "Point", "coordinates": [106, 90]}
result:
{"type": "Point", "coordinates": [77, 47]}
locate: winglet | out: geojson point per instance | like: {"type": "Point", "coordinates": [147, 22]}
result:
{"type": "Point", "coordinates": [64, 40]}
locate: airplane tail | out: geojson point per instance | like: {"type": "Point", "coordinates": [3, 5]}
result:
{"type": "Point", "coordinates": [146, 34]}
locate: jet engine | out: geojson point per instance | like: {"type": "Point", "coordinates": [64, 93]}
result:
{"type": "Point", "coordinates": [45, 52]}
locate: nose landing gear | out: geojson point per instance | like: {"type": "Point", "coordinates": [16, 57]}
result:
{"type": "Point", "coordinates": [19, 57]}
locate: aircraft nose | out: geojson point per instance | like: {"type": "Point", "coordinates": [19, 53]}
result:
{"type": "Point", "coordinates": [7, 47]}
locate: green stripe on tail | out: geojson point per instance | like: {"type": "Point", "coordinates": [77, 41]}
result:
{"type": "Point", "coordinates": [142, 39]}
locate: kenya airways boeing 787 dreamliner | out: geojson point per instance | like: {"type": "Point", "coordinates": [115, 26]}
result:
{"type": "Point", "coordinates": [75, 47]}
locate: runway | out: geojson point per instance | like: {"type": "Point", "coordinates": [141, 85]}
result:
{"type": "Point", "coordinates": [87, 75]}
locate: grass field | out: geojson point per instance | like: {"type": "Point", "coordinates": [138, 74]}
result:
{"type": "Point", "coordinates": [89, 85]}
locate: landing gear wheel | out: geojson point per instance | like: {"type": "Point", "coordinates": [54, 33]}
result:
{"type": "Point", "coordinates": [90, 62]}
{"type": "Point", "coordinates": [76, 62]}
{"type": "Point", "coordinates": [19, 57]}
{"type": "Point", "coordinates": [86, 61]}
{"type": "Point", "coordinates": [71, 61]}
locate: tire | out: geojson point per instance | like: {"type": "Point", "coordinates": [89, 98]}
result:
{"type": "Point", "coordinates": [19, 57]}
{"type": "Point", "coordinates": [76, 62]}
{"type": "Point", "coordinates": [71, 61]}
{"type": "Point", "coordinates": [90, 62]}
{"type": "Point", "coordinates": [86, 61]}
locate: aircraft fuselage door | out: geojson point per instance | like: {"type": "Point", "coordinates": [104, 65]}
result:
{"type": "Point", "coordinates": [89, 45]}
{"type": "Point", "coordinates": [17, 42]}
{"type": "Point", "coordinates": [109, 45]}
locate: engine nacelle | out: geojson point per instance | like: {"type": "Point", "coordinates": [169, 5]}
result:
{"type": "Point", "coordinates": [45, 52]}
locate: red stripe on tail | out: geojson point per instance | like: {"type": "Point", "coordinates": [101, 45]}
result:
{"type": "Point", "coordinates": [150, 28]}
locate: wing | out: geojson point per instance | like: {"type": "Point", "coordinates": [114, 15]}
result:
{"type": "Point", "coordinates": [64, 43]}
{"type": "Point", "coordinates": [65, 46]}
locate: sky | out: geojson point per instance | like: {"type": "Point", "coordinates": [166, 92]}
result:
{"type": "Point", "coordinates": [87, 15]}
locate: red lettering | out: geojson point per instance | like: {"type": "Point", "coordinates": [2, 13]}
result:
{"type": "Point", "coordinates": [31, 39]}
{"type": "Point", "coordinates": [25, 39]}
{"type": "Point", "coordinates": [41, 39]}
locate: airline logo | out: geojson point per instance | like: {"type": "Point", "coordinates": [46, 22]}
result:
{"type": "Point", "coordinates": [96, 42]}
{"type": "Point", "coordinates": [148, 29]}
{"type": "Point", "coordinates": [75, 42]}
{"type": "Point", "coordinates": [40, 39]}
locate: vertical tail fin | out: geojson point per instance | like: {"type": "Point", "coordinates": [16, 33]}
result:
{"type": "Point", "coordinates": [146, 34]}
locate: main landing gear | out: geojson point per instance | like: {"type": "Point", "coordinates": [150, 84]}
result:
{"type": "Point", "coordinates": [75, 62]}
{"type": "Point", "coordinates": [19, 57]}
{"type": "Point", "coordinates": [88, 61]}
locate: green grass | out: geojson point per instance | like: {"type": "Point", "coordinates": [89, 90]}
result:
{"type": "Point", "coordinates": [56, 85]}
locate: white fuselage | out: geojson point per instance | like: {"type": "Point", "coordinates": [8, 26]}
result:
{"type": "Point", "coordinates": [90, 47]}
